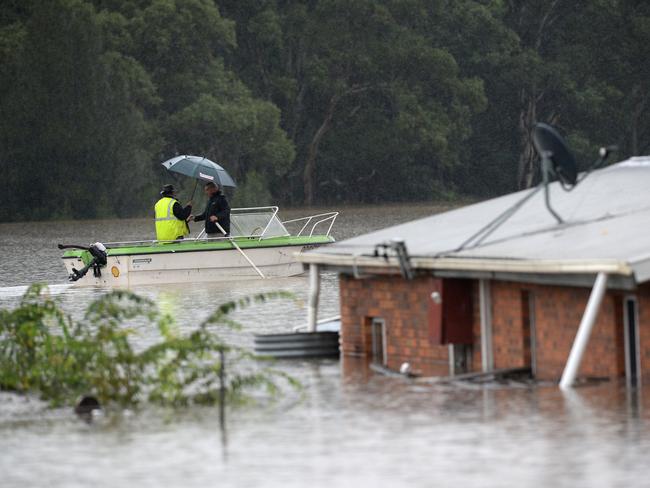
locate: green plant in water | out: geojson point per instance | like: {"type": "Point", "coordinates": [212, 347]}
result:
{"type": "Point", "coordinates": [43, 350]}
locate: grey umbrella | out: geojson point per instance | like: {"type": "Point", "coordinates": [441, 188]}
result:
{"type": "Point", "coordinates": [200, 168]}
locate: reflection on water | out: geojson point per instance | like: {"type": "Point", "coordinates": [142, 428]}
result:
{"type": "Point", "coordinates": [348, 428]}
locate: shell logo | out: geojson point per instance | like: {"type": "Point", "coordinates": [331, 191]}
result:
{"type": "Point", "coordinates": [115, 271]}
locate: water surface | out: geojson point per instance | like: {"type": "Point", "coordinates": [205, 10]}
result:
{"type": "Point", "coordinates": [348, 428]}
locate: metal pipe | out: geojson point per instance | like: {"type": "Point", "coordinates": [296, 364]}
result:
{"type": "Point", "coordinates": [314, 292]}
{"type": "Point", "coordinates": [330, 216]}
{"type": "Point", "coordinates": [329, 229]}
{"type": "Point", "coordinates": [547, 167]}
{"type": "Point", "coordinates": [304, 226]}
{"type": "Point", "coordinates": [487, 358]}
{"type": "Point", "coordinates": [584, 331]}
{"type": "Point", "coordinates": [452, 360]}
{"type": "Point", "coordinates": [232, 241]}
{"type": "Point", "coordinates": [275, 212]}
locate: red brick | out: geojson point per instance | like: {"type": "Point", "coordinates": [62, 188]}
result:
{"type": "Point", "coordinates": [557, 314]}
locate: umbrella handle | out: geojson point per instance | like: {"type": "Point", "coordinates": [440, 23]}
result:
{"type": "Point", "coordinates": [194, 191]}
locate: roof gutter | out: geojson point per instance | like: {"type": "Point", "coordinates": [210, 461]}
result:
{"type": "Point", "coordinates": [567, 266]}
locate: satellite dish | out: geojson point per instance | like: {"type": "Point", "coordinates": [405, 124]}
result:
{"type": "Point", "coordinates": [549, 144]}
{"type": "Point", "coordinates": [556, 160]}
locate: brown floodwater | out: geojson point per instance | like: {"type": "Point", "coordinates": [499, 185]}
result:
{"type": "Point", "coordinates": [348, 427]}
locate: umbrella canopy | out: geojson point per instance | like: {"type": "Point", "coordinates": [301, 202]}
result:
{"type": "Point", "coordinates": [200, 168]}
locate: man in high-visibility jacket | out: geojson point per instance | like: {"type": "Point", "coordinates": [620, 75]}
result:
{"type": "Point", "coordinates": [171, 217]}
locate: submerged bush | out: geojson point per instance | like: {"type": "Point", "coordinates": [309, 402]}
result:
{"type": "Point", "coordinates": [42, 350]}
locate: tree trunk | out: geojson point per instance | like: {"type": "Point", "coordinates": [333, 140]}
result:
{"type": "Point", "coordinates": [527, 155]}
{"type": "Point", "coordinates": [529, 101]}
{"type": "Point", "coordinates": [639, 108]}
{"type": "Point", "coordinates": [310, 164]}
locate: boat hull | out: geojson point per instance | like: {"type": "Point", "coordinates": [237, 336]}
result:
{"type": "Point", "coordinates": [191, 266]}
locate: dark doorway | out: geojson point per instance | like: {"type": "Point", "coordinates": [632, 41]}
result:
{"type": "Point", "coordinates": [631, 323]}
{"type": "Point", "coordinates": [378, 337]}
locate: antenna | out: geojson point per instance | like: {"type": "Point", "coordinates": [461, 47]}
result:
{"type": "Point", "coordinates": [557, 161]}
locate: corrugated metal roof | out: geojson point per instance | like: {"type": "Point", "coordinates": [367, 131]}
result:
{"type": "Point", "coordinates": [606, 223]}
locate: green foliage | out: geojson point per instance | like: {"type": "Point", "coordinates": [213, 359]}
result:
{"type": "Point", "coordinates": [328, 101]}
{"type": "Point", "coordinates": [234, 128]}
{"type": "Point", "coordinates": [43, 351]}
{"type": "Point", "coordinates": [76, 129]}
{"type": "Point", "coordinates": [254, 192]}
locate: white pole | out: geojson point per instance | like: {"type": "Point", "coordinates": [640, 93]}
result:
{"type": "Point", "coordinates": [584, 331]}
{"type": "Point", "coordinates": [314, 291]}
{"type": "Point", "coordinates": [232, 241]}
{"type": "Point", "coordinates": [487, 358]}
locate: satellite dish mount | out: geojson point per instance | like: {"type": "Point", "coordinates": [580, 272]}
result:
{"type": "Point", "coordinates": [557, 161]}
{"type": "Point", "coordinates": [547, 171]}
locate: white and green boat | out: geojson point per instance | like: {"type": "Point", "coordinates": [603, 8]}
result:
{"type": "Point", "coordinates": [259, 246]}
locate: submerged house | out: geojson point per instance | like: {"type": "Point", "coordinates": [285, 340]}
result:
{"type": "Point", "coordinates": [504, 284]}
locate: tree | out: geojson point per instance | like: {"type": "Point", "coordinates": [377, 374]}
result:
{"type": "Point", "coordinates": [337, 65]}
{"type": "Point", "coordinates": [619, 32]}
{"type": "Point", "coordinates": [539, 64]}
{"type": "Point", "coordinates": [206, 109]}
{"type": "Point", "coordinates": [77, 130]}
{"type": "Point", "coordinates": [309, 101]}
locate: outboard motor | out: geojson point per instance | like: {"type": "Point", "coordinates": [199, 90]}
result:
{"type": "Point", "coordinates": [98, 252]}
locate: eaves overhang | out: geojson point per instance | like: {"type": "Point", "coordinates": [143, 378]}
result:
{"type": "Point", "coordinates": [609, 266]}
{"type": "Point", "coordinates": [579, 273]}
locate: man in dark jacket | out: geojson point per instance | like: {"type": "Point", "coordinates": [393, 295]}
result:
{"type": "Point", "coordinates": [216, 211]}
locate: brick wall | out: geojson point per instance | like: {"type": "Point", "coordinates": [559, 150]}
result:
{"type": "Point", "coordinates": [557, 312]}
{"type": "Point", "coordinates": [404, 306]}
{"type": "Point", "coordinates": [551, 324]}
{"type": "Point", "coordinates": [507, 327]}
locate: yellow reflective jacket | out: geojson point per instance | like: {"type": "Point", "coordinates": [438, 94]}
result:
{"type": "Point", "coordinates": [168, 227]}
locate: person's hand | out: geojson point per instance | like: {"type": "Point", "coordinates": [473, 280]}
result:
{"type": "Point", "coordinates": [190, 218]}
{"type": "Point", "coordinates": [213, 218]}
{"type": "Point", "coordinates": [189, 204]}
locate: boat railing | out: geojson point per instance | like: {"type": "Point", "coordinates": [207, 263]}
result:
{"type": "Point", "coordinates": [274, 209]}
{"type": "Point", "coordinates": [260, 231]}
{"type": "Point", "coordinates": [152, 242]}
{"type": "Point", "coordinates": [314, 220]}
